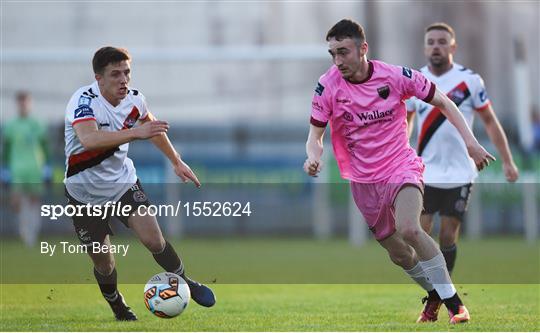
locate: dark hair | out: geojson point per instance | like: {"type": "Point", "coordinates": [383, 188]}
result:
{"type": "Point", "coordinates": [108, 55]}
{"type": "Point", "coordinates": [347, 29]}
{"type": "Point", "coordinates": [441, 26]}
{"type": "Point", "coordinates": [22, 94]}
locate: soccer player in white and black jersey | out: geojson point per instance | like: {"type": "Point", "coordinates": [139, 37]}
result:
{"type": "Point", "coordinates": [450, 171]}
{"type": "Point", "coordinates": [100, 122]}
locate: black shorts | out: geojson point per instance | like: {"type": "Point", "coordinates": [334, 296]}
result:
{"type": "Point", "coordinates": [448, 202]}
{"type": "Point", "coordinates": [91, 228]}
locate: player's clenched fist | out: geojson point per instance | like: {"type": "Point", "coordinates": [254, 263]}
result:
{"type": "Point", "coordinates": [480, 156]}
{"type": "Point", "coordinates": [152, 128]}
{"type": "Point", "coordinates": [511, 171]}
{"type": "Point", "coordinates": [312, 167]}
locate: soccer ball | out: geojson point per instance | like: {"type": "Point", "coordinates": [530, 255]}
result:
{"type": "Point", "coordinates": [166, 295]}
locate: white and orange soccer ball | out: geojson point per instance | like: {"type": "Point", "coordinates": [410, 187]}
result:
{"type": "Point", "coordinates": [166, 295]}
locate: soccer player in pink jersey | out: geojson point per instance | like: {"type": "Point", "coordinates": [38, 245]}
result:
{"type": "Point", "coordinates": [364, 102]}
{"type": "Point", "coordinates": [450, 171]}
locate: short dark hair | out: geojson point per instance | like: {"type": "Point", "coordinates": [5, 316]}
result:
{"type": "Point", "coordinates": [22, 94]}
{"type": "Point", "coordinates": [347, 29]}
{"type": "Point", "coordinates": [108, 55]}
{"type": "Point", "coordinates": [441, 26]}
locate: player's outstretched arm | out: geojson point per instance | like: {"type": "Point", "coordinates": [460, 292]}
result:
{"type": "Point", "coordinates": [92, 138]}
{"type": "Point", "coordinates": [163, 143]}
{"type": "Point", "coordinates": [497, 136]}
{"type": "Point", "coordinates": [480, 156]}
{"type": "Point", "coordinates": [314, 150]}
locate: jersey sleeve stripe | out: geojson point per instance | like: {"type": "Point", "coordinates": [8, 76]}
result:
{"type": "Point", "coordinates": [431, 93]}
{"type": "Point", "coordinates": [81, 120]}
{"type": "Point", "coordinates": [317, 123]}
{"type": "Point", "coordinates": [484, 107]}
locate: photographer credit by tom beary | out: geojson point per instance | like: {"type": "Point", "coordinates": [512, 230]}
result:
{"type": "Point", "coordinates": [64, 247]}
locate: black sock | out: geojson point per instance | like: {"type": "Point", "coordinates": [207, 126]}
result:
{"type": "Point", "coordinates": [108, 285]}
{"type": "Point", "coordinates": [169, 260]}
{"type": "Point", "coordinates": [450, 254]}
{"type": "Point", "coordinates": [453, 303]}
{"type": "Point", "coordinates": [432, 294]}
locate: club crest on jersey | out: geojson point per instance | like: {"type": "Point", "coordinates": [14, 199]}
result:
{"type": "Point", "coordinates": [457, 96]}
{"type": "Point", "coordinates": [384, 91]}
{"type": "Point", "coordinates": [407, 72]}
{"type": "Point", "coordinates": [131, 118]}
{"type": "Point", "coordinates": [129, 122]}
{"type": "Point", "coordinates": [320, 88]}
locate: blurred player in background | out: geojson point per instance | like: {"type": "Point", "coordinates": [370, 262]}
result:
{"type": "Point", "coordinates": [99, 124]}
{"type": "Point", "coordinates": [364, 102]}
{"type": "Point", "coordinates": [449, 169]}
{"type": "Point", "coordinates": [25, 158]}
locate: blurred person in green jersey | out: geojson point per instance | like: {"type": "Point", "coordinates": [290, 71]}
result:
{"type": "Point", "coordinates": [25, 157]}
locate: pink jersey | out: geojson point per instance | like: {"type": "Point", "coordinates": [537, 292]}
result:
{"type": "Point", "coordinates": [368, 120]}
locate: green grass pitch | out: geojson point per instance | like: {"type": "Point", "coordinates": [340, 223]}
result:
{"type": "Point", "coordinates": [249, 301]}
{"type": "Point", "coordinates": [270, 308]}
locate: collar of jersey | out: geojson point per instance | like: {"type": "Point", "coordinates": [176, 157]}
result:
{"type": "Point", "coordinates": [104, 100]}
{"type": "Point", "coordinates": [370, 74]}
{"type": "Point", "coordinates": [454, 68]}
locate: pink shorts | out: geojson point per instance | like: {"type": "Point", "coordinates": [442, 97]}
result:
{"type": "Point", "coordinates": [376, 201]}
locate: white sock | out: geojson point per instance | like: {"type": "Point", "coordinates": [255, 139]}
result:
{"type": "Point", "coordinates": [437, 273]}
{"type": "Point", "coordinates": [417, 274]}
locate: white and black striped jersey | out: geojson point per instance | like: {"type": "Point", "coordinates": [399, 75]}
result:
{"type": "Point", "coordinates": [440, 145]}
{"type": "Point", "coordinates": [101, 175]}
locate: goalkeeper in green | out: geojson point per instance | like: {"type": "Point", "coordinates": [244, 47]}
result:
{"type": "Point", "coordinates": [25, 166]}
